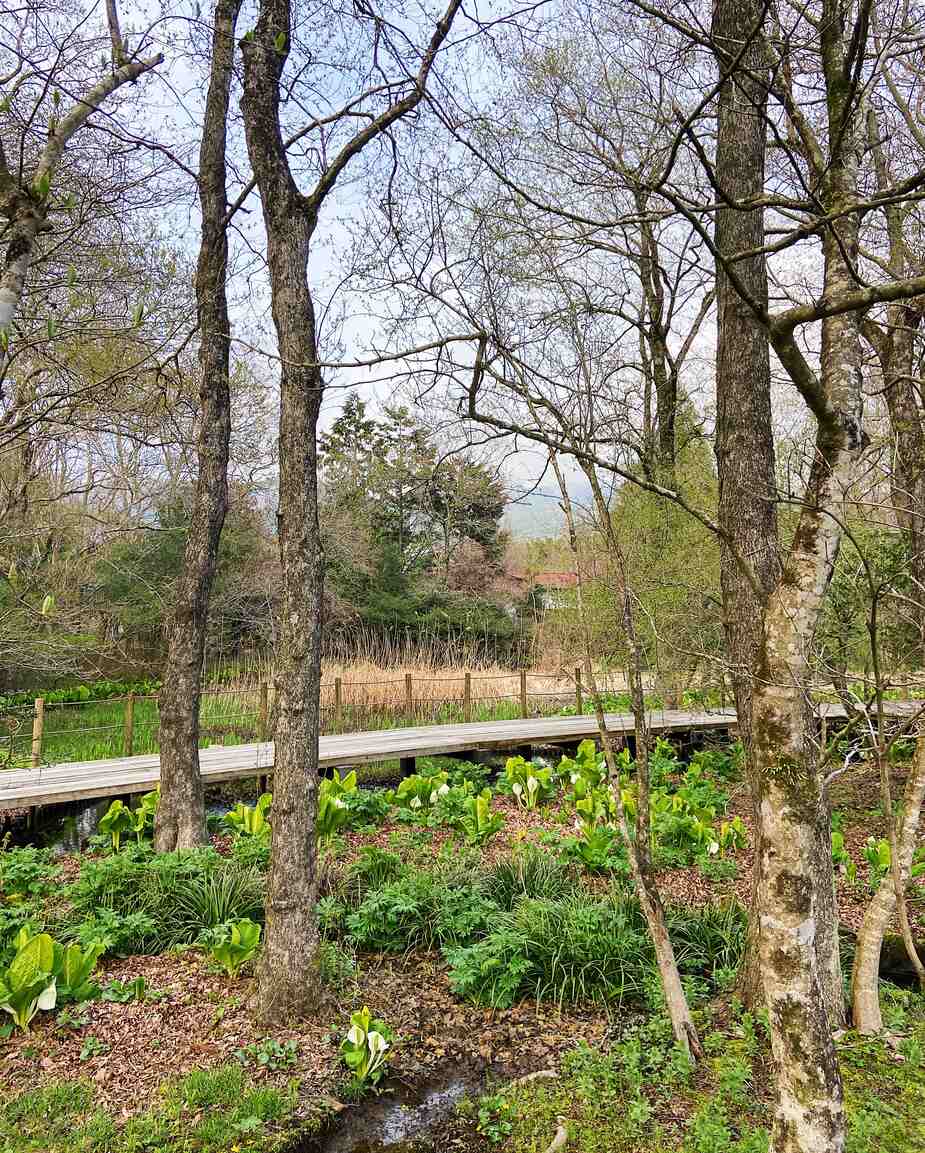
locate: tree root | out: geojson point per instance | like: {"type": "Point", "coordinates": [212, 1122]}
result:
{"type": "Point", "coordinates": [539, 1075]}
{"type": "Point", "coordinates": [561, 1138]}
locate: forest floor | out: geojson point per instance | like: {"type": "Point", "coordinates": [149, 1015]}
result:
{"type": "Point", "coordinates": [175, 1062]}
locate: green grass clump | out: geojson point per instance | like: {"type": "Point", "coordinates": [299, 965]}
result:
{"type": "Point", "coordinates": [529, 872]}
{"type": "Point", "coordinates": [209, 1111]}
{"type": "Point", "coordinates": [141, 902]}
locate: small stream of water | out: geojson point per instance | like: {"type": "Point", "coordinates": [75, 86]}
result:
{"type": "Point", "coordinates": [400, 1120]}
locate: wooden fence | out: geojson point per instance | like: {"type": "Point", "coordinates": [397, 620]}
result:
{"type": "Point", "coordinates": [56, 732]}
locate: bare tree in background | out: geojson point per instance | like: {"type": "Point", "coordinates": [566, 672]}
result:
{"type": "Point", "coordinates": [34, 85]}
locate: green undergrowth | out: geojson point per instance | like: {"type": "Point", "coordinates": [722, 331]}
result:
{"type": "Point", "coordinates": [641, 1095]}
{"type": "Point", "coordinates": [210, 1111]}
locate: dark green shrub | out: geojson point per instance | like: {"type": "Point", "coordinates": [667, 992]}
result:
{"type": "Point", "coordinates": [575, 950]}
{"type": "Point", "coordinates": [373, 868]}
{"type": "Point", "coordinates": [121, 934]}
{"type": "Point", "coordinates": [203, 902]}
{"type": "Point", "coordinates": [26, 873]}
{"type": "Point", "coordinates": [251, 852]}
{"type": "Point", "coordinates": [399, 915]}
{"type": "Point", "coordinates": [367, 807]}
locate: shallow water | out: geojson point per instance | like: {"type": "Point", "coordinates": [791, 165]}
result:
{"type": "Point", "coordinates": [397, 1121]}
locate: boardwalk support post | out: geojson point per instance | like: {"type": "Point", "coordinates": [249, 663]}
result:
{"type": "Point", "coordinates": [407, 765]}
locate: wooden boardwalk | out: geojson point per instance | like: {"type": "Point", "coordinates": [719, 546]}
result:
{"type": "Point", "coordinates": [86, 780]}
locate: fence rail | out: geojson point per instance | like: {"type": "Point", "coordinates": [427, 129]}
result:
{"type": "Point", "coordinates": [49, 732]}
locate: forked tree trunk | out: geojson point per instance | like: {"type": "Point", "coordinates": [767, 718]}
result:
{"type": "Point", "coordinates": [745, 458]}
{"type": "Point", "coordinates": [288, 981]}
{"type": "Point", "coordinates": [180, 821]}
{"type": "Point", "coordinates": [865, 992]}
{"type": "Point", "coordinates": [288, 986]}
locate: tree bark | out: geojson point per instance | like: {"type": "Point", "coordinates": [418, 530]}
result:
{"type": "Point", "coordinates": [745, 458]}
{"type": "Point", "coordinates": [288, 984]}
{"type": "Point", "coordinates": [180, 822]}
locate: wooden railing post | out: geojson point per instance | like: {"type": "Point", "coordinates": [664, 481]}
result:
{"type": "Point", "coordinates": [38, 725]}
{"type": "Point", "coordinates": [467, 698]}
{"type": "Point", "coordinates": [409, 696]}
{"type": "Point", "coordinates": [579, 706]}
{"type": "Point", "coordinates": [338, 704]}
{"type": "Point", "coordinates": [263, 712]}
{"type": "Point", "coordinates": [128, 726]}
{"type": "Point", "coordinates": [523, 692]}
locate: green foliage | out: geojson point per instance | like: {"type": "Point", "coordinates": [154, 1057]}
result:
{"type": "Point", "coordinates": [478, 823]}
{"type": "Point", "coordinates": [25, 874]}
{"type": "Point", "coordinates": [144, 815]}
{"type": "Point", "coordinates": [528, 872]}
{"type": "Point", "coordinates": [587, 765]}
{"type": "Point", "coordinates": [576, 950]}
{"type": "Point", "coordinates": [412, 515]}
{"type": "Point", "coordinates": [43, 973]}
{"type": "Point", "coordinates": [365, 1047]}
{"type": "Point", "coordinates": [28, 985]}
{"type": "Point", "coordinates": [416, 792]}
{"type": "Point", "coordinates": [530, 783]}
{"type": "Point", "coordinates": [138, 901]}
{"type": "Point", "coordinates": [367, 808]}
{"type": "Point", "coordinates": [115, 821]}
{"type": "Point", "coordinates": [709, 940]}
{"type": "Point", "coordinates": [124, 992]}
{"type": "Point", "coordinates": [333, 813]}
{"type": "Point", "coordinates": [251, 822]}
{"type": "Point", "coordinates": [876, 852]}
{"type": "Point", "coordinates": [73, 967]}
{"type": "Point", "coordinates": [240, 947]}
{"type": "Point", "coordinates": [598, 849]}
{"type": "Point", "coordinates": [841, 858]}
{"type": "Point", "coordinates": [209, 1111]}
{"type": "Point", "coordinates": [269, 1053]}
{"type": "Point", "coordinates": [494, 1118]}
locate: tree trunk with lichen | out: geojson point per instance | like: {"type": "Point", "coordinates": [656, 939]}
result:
{"type": "Point", "coordinates": [180, 821]}
{"type": "Point", "coordinates": [801, 973]}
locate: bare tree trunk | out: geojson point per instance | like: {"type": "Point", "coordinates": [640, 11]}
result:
{"type": "Point", "coordinates": [288, 986]}
{"type": "Point", "coordinates": [747, 511]}
{"type": "Point", "coordinates": [865, 997]}
{"type": "Point", "coordinates": [180, 820]}
{"type": "Point", "coordinates": [288, 983]}
{"type": "Point", "coordinates": [637, 847]}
